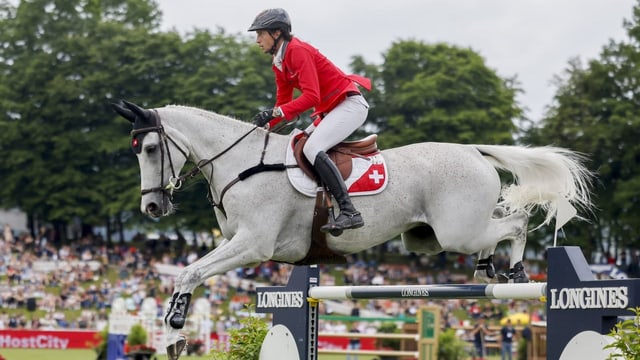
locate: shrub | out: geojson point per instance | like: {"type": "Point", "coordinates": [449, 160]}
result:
{"type": "Point", "coordinates": [626, 335]}
{"type": "Point", "coordinates": [245, 342]}
{"type": "Point", "coordinates": [137, 335]}
{"type": "Point", "coordinates": [101, 346]}
{"type": "Point", "coordinates": [450, 347]}
{"type": "Point", "coordinates": [388, 328]}
{"type": "Point", "coordinates": [522, 349]}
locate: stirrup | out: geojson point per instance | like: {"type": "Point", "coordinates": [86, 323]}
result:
{"type": "Point", "coordinates": [344, 221]}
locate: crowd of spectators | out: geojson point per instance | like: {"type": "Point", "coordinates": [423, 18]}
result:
{"type": "Point", "coordinates": [30, 267]}
{"type": "Point", "coordinates": [78, 271]}
{"type": "Point", "coordinates": [38, 275]}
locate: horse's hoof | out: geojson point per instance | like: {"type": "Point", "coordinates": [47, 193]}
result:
{"type": "Point", "coordinates": [491, 271]}
{"type": "Point", "coordinates": [482, 277]}
{"type": "Point", "coordinates": [174, 350]}
{"type": "Point", "coordinates": [519, 278]}
{"type": "Point", "coordinates": [517, 274]}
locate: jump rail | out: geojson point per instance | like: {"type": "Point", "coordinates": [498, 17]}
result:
{"type": "Point", "coordinates": [455, 291]}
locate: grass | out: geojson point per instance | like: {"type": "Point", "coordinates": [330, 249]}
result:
{"type": "Point", "coordinates": [70, 354]}
{"type": "Point", "coordinates": [42, 354]}
{"type": "Point", "coordinates": [46, 354]}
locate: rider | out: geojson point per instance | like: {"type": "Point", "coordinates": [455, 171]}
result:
{"type": "Point", "coordinates": [339, 108]}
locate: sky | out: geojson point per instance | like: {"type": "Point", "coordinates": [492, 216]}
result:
{"type": "Point", "coordinates": [530, 39]}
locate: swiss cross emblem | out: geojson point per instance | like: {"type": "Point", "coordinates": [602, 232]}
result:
{"type": "Point", "coordinates": [376, 177]}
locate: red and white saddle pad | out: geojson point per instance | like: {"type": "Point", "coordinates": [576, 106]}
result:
{"type": "Point", "coordinates": [368, 177]}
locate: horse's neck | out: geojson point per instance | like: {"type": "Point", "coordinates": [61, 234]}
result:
{"type": "Point", "coordinates": [208, 135]}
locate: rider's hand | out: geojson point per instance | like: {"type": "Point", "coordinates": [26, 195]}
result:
{"type": "Point", "coordinates": [263, 117]}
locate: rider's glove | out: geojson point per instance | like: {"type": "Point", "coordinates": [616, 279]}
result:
{"type": "Point", "coordinates": [263, 117]}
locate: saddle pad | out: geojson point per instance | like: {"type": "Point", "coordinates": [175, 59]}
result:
{"type": "Point", "coordinates": [368, 177]}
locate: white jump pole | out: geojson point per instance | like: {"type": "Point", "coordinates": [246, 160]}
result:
{"type": "Point", "coordinates": [454, 291]}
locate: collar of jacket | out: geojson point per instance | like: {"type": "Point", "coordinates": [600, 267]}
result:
{"type": "Point", "coordinates": [278, 58]}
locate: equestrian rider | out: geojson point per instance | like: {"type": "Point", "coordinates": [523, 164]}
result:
{"type": "Point", "coordinates": [339, 108]}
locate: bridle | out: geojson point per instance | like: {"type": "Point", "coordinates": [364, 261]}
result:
{"type": "Point", "coordinates": [176, 182]}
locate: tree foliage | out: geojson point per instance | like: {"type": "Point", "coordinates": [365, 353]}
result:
{"type": "Point", "coordinates": [595, 111]}
{"type": "Point", "coordinates": [66, 155]}
{"type": "Point", "coordinates": [440, 92]}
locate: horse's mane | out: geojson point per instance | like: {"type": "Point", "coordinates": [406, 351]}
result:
{"type": "Point", "coordinates": [202, 112]}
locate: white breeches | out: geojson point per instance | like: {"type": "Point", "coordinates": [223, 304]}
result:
{"type": "Point", "coordinates": [336, 126]}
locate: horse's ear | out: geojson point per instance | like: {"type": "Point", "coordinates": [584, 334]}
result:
{"type": "Point", "coordinates": [125, 113]}
{"type": "Point", "coordinates": [137, 110]}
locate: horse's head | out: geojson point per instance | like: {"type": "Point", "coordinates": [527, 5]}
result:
{"type": "Point", "coordinates": [160, 158]}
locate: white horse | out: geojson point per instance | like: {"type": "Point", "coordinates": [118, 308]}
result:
{"type": "Point", "coordinates": [440, 196]}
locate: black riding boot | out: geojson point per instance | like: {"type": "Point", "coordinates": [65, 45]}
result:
{"type": "Point", "coordinates": [349, 217]}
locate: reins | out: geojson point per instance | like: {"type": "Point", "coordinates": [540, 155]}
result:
{"type": "Point", "coordinates": [261, 167]}
{"type": "Point", "coordinates": [175, 182]}
{"type": "Point", "coordinates": [198, 168]}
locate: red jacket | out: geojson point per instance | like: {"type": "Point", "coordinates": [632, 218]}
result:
{"type": "Point", "coordinates": [322, 84]}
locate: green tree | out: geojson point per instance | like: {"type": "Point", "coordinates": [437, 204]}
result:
{"type": "Point", "coordinates": [67, 153]}
{"type": "Point", "coordinates": [595, 111]}
{"type": "Point", "coordinates": [440, 92]}
{"type": "Point", "coordinates": [225, 73]}
{"type": "Point", "coordinates": [62, 157]}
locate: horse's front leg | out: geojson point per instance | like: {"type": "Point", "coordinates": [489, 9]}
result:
{"type": "Point", "coordinates": [231, 255]}
{"type": "Point", "coordinates": [176, 315]}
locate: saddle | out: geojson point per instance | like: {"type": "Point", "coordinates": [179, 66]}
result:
{"type": "Point", "coordinates": [340, 154]}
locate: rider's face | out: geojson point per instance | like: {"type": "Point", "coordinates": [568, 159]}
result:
{"type": "Point", "coordinates": [265, 40]}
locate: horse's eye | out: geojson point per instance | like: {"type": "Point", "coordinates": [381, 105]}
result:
{"type": "Point", "coordinates": [150, 149]}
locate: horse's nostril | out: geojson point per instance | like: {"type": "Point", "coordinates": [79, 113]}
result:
{"type": "Point", "coordinates": [152, 208]}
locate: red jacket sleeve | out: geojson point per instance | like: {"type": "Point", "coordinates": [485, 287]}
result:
{"type": "Point", "coordinates": [284, 88]}
{"type": "Point", "coordinates": [284, 93]}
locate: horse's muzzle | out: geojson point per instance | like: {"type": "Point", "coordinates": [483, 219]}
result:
{"type": "Point", "coordinates": [153, 210]}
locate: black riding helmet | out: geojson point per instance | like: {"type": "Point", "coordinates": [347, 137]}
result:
{"type": "Point", "coordinates": [272, 20]}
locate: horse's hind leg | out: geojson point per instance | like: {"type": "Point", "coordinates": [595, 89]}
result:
{"type": "Point", "coordinates": [514, 228]}
{"type": "Point", "coordinates": [485, 269]}
{"type": "Point", "coordinates": [517, 273]}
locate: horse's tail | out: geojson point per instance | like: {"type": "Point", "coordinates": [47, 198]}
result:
{"type": "Point", "coordinates": [543, 175]}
